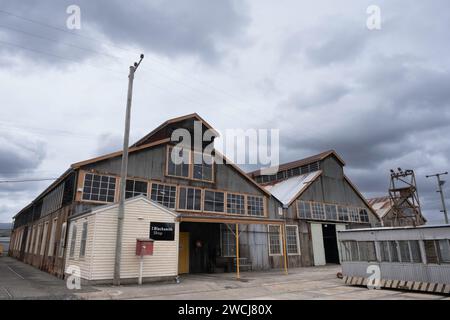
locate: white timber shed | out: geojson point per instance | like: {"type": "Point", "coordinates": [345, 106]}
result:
{"type": "Point", "coordinates": [92, 239]}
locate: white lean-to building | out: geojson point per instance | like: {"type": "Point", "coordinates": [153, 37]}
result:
{"type": "Point", "coordinates": [413, 258]}
{"type": "Point", "coordinates": [92, 240]}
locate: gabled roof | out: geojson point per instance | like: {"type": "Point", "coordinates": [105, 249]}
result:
{"type": "Point", "coordinates": [301, 162]}
{"type": "Point", "coordinates": [117, 153]}
{"type": "Point", "coordinates": [290, 189]}
{"type": "Point", "coordinates": [174, 120]}
{"type": "Point", "coordinates": [361, 197]}
{"type": "Point", "coordinates": [381, 205]}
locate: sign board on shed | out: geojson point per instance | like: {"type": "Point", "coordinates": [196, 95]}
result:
{"type": "Point", "coordinates": [162, 231]}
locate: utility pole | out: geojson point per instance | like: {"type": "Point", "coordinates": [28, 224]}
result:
{"type": "Point", "coordinates": [440, 184]}
{"type": "Point", "coordinates": [123, 174]}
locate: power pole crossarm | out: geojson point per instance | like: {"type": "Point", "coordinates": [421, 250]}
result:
{"type": "Point", "coordinates": [123, 174]}
{"type": "Point", "coordinates": [440, 184]}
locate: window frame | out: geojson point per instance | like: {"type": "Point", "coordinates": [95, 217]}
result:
{"type": "Point", "coordinates": [190, 165]}
{"type": "Point", "coordinates": [116, 185]}
{"type": "Point", "coordinates": [73, 240]}
{"type": "Point", "coordinates": [179, 199]}
{"type": "Point", "coordinates": [264, 213]}
{"type": "Point", "coordinates": [271, 254]}
{"type": "Point", "coordinates": [147, 182]}
{"type": "Point", "coordinates": [193, 153]}
{"type": "Point", "coordinates": [297, 240]}
{"type": "Point", "coordinates": [171, 185]}
{"type": "Point", "coordinates": [214, 191]}
{"type": "Point", "coordinates": [298, 211]}
{"type": "Point", "coordinates": [83, 240]}
{"type": "Point", "coordinates": [244, 203]}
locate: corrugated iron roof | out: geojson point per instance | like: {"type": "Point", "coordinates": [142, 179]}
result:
{"type": "Point", "coordinates": [288, 190]}
{"type": "Point", "coordinates": [381, 205]}
{"type": "Point", "coordinates": [302, 162]}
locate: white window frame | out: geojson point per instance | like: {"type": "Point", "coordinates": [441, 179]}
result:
{"type": "Point", "coordinates": [62, 240]}
{"type": "Point", "coordinates": [44, 238]}
{"type": "Point", "coordinates": [83, 240]}
{"type": "Point", "coordinates": [297, 239]}
{"type": "Point", "coordinates": [51, 247]}
{"type": "Point", "coordinates": [279, 238]}
{"type": "Point", "coordinates": [73, 240]}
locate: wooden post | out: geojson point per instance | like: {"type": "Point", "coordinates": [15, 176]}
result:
{"type": "Point", "coordinates": [283, 232]}
{"type": "Point", "coordinates": [238, 276]}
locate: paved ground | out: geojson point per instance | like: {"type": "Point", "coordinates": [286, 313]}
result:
{"type": "Point", "coordinates": [301, 283]}
{"type": "Point", "coordinates": [21, 281]}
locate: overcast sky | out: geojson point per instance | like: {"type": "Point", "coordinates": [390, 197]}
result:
{"type": "Point", "coordinates": [313, 70]}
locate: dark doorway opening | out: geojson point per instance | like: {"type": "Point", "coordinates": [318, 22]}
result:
{"type": "Point", "coordinates": [204, 246]}
{"type": "Point", "coordinates": [330, 243]}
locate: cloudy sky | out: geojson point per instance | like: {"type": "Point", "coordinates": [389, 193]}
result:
{"type": "Point", "coordinates": [313, 70]}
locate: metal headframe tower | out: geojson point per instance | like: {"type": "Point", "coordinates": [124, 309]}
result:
{"type": "Point", "coordinates": [404, 197]}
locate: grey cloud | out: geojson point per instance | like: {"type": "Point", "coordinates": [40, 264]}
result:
{"type": "Point", "coordinates": [336, 41]}
{"type": "Point", "coordinates": [196, 28]}
{"type": "Point", "coordinates": [19, 154]}
{"type": "Point", "coordinates": [109, 142]}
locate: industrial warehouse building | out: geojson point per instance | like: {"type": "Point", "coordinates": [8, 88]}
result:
{"type": "Point", "coordinates": [286, 219]}
{"type": "Point", "coordinates": [318, 200]}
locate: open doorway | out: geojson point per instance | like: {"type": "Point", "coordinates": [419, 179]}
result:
{"type": "Point", "coordinates": [330, 243]}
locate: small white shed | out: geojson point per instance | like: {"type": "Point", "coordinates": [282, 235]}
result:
{"type": "Point", "coordinates": [92, 238]}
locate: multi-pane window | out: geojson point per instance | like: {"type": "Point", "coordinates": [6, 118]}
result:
{"type": "Point", "coordinates": [304, 209]}
{"type": "Point", "coordinates": [99, 187]}
{"type": "Point", "coordinates": [363, 215]}
{"type": "Point", "coordinates": [393, 249]}
{"type": "Point", "coordinates": [274, 239]}
{"type": "Point", "coordinates": [354, 214]}
{"type": "Point", "coordinates": [235, 203]}
{"type": "Point", "coordinates": [437, 251]}
{"type": "Point", "coordinates": [73, 240]}
{"type": "Point", "coordinates": [83, 239]}
{"type": "Point", "coordinates": [415, 251]}
{"type": "Point", "coordinates": [317, 211]}
{"type": "Point", "coordinates": [444, 250]}
{"type": "Point", "coordinates": [38, 239]}
{"type": "Point", "coordinates": [404, 251]}
{"type": "Point", "coordinates": [292, 241]}
{"type": "Point", "coordinates": [164, 194]}
{"type": "Point", "coordinates": [178, 162]}
{"type": "Point", "coordinates": [51, 247]}
{"type": "Point", "coordinates": [346, 251]}
{"type": "Point", "coordinates": [44, 239]}
{"type": "Point", "coordinates": [214, 201]}
{"type": "Point", "coordinates": [190, 199]}
{"type": "Point", "coordinates": [228, 240]}
{"type": "Point", "coordinates": [255, 206]}
{"type": "Point", "coordinates": [203, 166]}
{"type": "Point", "coordinates": [342, 213]}
{"type": "Point", "coordinates": [431, 251]}
{"type": "Point", "coordinates": [135, 188]}
{"type": "Point", "coordinates": [367, 251]}
{"type": "Point", "coordinates": [62, 240]}
{"type": "Point", "coordinates": [331, 211]}
{"type": "Point", "coordinates": [384, 251]}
